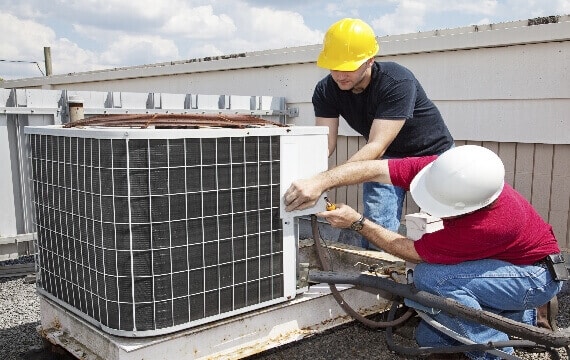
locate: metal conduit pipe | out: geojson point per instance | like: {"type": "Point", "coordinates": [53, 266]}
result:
{"type": "Point", "coordinates": [462, 348]}
{"type": "Point", "coordinates": [560, 338]}
{"type": "Point", "coordinates": [338, 297]}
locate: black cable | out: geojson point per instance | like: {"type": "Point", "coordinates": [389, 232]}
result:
{"type": "Point", "coordinates": [24, 62]}
{"type": "Point", "coordinates": [325, 266]}
{"type": "Point", "coordinates": [402, 350]}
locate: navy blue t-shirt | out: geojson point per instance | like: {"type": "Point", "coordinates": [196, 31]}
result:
{"type": "Point", "coordinates": [393, 93]}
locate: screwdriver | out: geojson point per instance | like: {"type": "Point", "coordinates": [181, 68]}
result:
{"type": "Point", "coordinates": [330, 205]}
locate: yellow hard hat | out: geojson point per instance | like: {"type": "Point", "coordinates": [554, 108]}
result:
{"type": "Point", "coordinates": [348, 44]}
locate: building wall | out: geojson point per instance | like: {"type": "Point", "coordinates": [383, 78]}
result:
{"type": "Point", "coordinates": [505, 86]}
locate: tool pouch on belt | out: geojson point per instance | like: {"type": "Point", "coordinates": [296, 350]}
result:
{"type": "Point", "coordinates": [557, 267]}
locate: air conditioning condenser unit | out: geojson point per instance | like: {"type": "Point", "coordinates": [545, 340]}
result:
{"type": "Point", "coordinates": [144, 232]}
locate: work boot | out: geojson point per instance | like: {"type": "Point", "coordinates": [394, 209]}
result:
{"type": "Point", "coordinates": [546, 315]}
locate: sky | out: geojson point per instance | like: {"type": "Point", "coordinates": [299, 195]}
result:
{"type": "Point", "coordinates": [88, 35]}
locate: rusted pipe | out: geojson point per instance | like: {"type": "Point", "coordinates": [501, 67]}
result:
{"type": "Point", "coordinates": [75, 105]}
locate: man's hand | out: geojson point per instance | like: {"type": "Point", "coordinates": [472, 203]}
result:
{"type": "Point", "coordinates": [391, 242]}
{"type": "Point", "coordinates": [302, 194]}
{"type": "Point", "coordinates": [342, 217]}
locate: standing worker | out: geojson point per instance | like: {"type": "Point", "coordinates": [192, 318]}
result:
{"type": "Point", "coordinates": [384, 102]}
{"type": "Point", "coordinates": [494, 251]}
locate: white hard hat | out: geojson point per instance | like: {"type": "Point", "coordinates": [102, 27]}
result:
{"type": "Point", "coordinates": [461, 180]}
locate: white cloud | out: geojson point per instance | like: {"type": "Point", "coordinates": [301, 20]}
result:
{"type": "Point", "coordinates": [95, 34]}
{"type": "Point", "coordinates": [18, 44]}
{"type": "Point", "coordinates": [482, 7]}
{"type": "Point", "coordinates": [563, 7]}
{"type": "Point", "coordinates": [97, 10]}
{"type": "Point", "coordinates": [203, 50]}
{"type": "Point", "coordinates": [414, 15]}
{"type": "Point", "coordinates": [339, 11]}
{"type": "Point", "coordinates": [408, 17]}
{"type": "Point", "coordinates": [146, 49]}
{"type": "Point", "coordinates": [273, 27]}
{"type": "Point", "coordinates": [20, 49]}
{"type": "Point", "coordinates": [199, 23]}
{"type": "Point", "coordinates": [68, 57]}
{"type": "Point", "coordinates": [483, 21]}
{"type": "Point", "coordinates": [259, 28]}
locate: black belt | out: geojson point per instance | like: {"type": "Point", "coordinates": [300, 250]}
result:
{"type": "Point", "coordinates": [556, 266]}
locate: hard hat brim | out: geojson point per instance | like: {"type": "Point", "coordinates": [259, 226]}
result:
{"type": "Point", "coordinates": [430, 205]}
{"type": "Point", "coordinates": [330, 64]}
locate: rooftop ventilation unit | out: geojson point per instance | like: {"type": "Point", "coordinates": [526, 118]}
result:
{"type": "Point", "coordinates": [149, 231]}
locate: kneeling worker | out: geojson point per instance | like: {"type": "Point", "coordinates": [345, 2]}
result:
{"type": "Point", "coordinates": [492, 252]}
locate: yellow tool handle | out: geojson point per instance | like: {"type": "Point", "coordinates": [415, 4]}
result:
{"type": "Point", "coordinates": [330, 206]}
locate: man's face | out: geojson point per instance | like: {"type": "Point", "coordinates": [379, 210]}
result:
{"type": "Point", "coordinates": [355, 81]}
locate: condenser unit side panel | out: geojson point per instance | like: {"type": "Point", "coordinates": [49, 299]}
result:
{"type": "Point", "coordinates": [303, 157]}
{"type": "Point", "coordinates": [146, 236]}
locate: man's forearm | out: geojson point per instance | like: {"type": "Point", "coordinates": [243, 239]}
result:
{"type": "Point", "coordinates": [370, 151]}
{"type": "Point", "coordinates": [355, 172]}
{"type": "Point", "coordinates": [304, 193]}
{"type": "Point", "coordinates": [343, 216]}
{"type": "Point", "coordinates": [391, 242]}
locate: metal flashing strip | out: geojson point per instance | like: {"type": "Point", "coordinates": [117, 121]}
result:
{"type": "Point", "coordinates": [291, 112]}
{"type": "Point", "coordinates": [28, 111]}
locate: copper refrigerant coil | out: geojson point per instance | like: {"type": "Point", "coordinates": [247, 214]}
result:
{"type": "Point", "coordinates": [144, 121]}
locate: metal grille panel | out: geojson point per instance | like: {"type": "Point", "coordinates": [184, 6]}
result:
{"type": "Point", "coordinates": [151, 235]}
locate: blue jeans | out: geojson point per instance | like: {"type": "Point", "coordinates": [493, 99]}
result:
{"type": "Point", "coordinates": [383, 205]}
{"type": "Point", "coordinates": [496, 286]}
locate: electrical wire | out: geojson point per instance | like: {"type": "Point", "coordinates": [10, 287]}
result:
{"type": "Point", "coordinates": [25, 62]}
